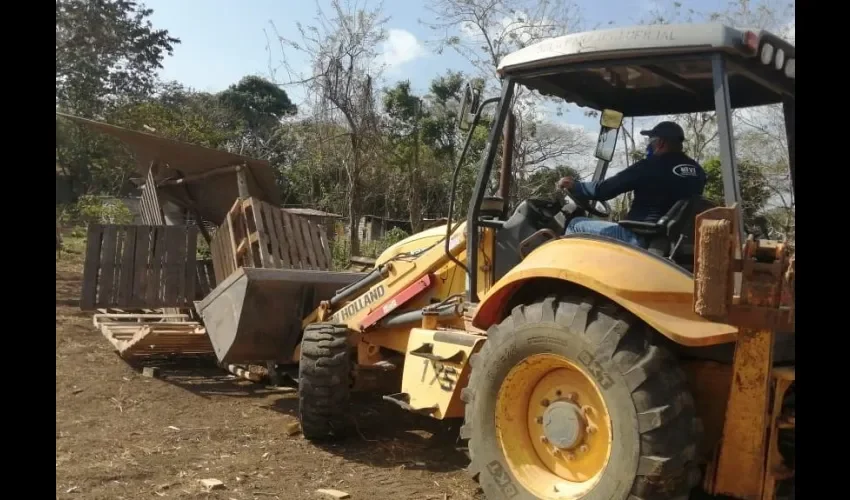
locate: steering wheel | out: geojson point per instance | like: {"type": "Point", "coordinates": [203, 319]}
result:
{"type": "Point", "coordinates": [589, 206]}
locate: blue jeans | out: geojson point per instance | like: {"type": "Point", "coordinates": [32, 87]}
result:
{"type": "Point", "coordinates": [586, 225]}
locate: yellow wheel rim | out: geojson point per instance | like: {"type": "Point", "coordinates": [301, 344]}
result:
{"type": "Point", "coordinates": [553, 427]}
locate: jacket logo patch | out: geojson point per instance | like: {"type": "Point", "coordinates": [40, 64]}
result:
{"type": "Point", "coordinates": [685, 170]}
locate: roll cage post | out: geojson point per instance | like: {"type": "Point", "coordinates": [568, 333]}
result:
{"type": "Point", "coordinates": [484, 171]}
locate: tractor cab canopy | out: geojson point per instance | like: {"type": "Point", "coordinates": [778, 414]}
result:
{"type": "Point", "coordinates": [666, 70]}
{"type": "Point", "coordinates": [650, 70]}
{"type": "Point", "coordinates": [658, 70]}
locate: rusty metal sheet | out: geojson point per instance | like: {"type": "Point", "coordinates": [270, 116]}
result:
{"type": "Point", "coordinates": [256, 314]}
{"type": "Point", "coordinates": [212, 196]}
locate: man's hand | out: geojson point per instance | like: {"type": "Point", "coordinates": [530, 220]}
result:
{"type": "Point", "coordinates": [566, 183]}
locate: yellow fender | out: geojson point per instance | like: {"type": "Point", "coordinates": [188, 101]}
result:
{"type": "Point", "coordinates": [654, 290]}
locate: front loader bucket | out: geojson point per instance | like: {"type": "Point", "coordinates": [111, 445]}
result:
{"type": "Point", "coordinates": [255, 314]}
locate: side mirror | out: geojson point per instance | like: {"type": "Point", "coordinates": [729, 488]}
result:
{"type": "Point", "coordinates": [468, 107]}
{"type": "Point", "coordinates": [606, 143]}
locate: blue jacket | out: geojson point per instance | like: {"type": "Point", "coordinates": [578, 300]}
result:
{"type": "Point", "coordinates": [657, 182]}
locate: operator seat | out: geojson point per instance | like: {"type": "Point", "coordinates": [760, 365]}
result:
{"type": "Point", "coordinates": [672, 236]}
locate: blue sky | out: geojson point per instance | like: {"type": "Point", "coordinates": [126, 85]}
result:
{"type": "Point", "coordinates": [224, 40]}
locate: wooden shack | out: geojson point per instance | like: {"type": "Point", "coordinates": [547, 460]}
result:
{"type": "Point", "coordinates": [142, 280]}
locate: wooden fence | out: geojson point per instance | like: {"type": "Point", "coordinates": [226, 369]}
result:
{"type": "Point", "coordinates": [139, 267]}
{"type": "Point", "coordinates": [258, 234]}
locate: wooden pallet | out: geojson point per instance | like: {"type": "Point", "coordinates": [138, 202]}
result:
{"type": "Point", "coordinates": [258, 234]}
{"type": "Point", "coordinates": [139, 267]}
{"type": "Point", "coordinates": [135, 334]}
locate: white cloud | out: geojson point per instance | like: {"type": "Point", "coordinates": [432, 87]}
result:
{"type": "Point", "coordinates": [519, 27]}
{"type": "Point", "coordinates": [401, 47]}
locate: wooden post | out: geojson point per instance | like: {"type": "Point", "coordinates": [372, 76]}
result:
{"type": "Point", "coordinates": [242, 181]}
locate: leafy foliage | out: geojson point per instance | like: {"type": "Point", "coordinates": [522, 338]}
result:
{"type": "Point", "coordinates": [105, 49]}
{"type": "Point", "coordinates": [751, 183]}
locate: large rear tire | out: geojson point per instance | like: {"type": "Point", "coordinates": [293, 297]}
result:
{"type": "Point", "coordinates": [631, 432]}
{"type": "Point", "coordinates": [324, 382]}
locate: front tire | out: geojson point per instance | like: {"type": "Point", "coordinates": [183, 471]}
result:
{"type": "Point", "coordinates": [631, 429]}
{"type": "Point", "coordinates": [324, 382]}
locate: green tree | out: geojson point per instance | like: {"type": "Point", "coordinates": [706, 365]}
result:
{"type": "Point", "coordinates": [343, 51]}
{"type": "Point", "coordinates": [105, 48]}
{"type": "Point", "coordinates": [181, 114]}
{"type": "Point", "coordinates": [107, 53]}
{"type": "Point", "coordinates": [441, 135]}
{"type": "Point", "coordinates": [755, 191]}
{"type": "Point", "coordinates": [262, 103]}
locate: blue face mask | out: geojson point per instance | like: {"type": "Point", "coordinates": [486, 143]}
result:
{"type": "Point", "coordinates": [649, 150]}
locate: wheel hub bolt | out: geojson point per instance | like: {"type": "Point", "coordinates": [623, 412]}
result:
{"type": "Point", "coordinates": [545, 402]}
{"type": "Point", "coordinates": [539, 420]}
{"type": "Point", "coordinates": [583, 448]}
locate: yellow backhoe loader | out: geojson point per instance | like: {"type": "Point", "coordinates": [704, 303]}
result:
{"type": "Point", "coordinates": [582, 367]}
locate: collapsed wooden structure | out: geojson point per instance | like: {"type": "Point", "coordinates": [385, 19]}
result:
{"type": "Point", "coordinates": [143, 281]}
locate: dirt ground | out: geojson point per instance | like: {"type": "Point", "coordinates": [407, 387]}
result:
{"type": "Point", "coordinates": [123, 436]}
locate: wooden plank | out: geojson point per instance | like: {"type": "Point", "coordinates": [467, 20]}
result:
{"type": "Point", "coordinates": [140, 274]}
{"type": "Point", "coordinates": [214, 254]}
{"type": "Point", "coordinates": [248, 257]}
{"type": "Point", "coordinates": [128, 254]}
{"type": "Point", "coordinates": [265, 226]}
{"type": "Point", "coordinates": [151, 208]}
{"type": "Point", "coordinates": [230, 243]}
{"type": "Point", "coordinates": [304, 257]}
{"type": "Point", "coordinates": [326, 247]}
{"type": "Point", "coordinates": [317, 245]}
{"type": "Point", "coordinates": [323, 246]}
{"type": "Point", "coordinates": [276, 216]}
{"type": "Point", "coordinates": [219, 252]}
{"type": "Point", "coordinates": [107, 266]}
{"type": "Point", "coordinates": [254, 210]}
{"type": "Point", "coordinates": [308, 243]}
{"type": "Point", "coordinates": [120, 236]}
{"type": "Point", "coordinates": [154, 292]}
{"type": "Point", "coordinates": [228, 249]}
{"type": "Point", "coordinates": [291, 243]}
{"type": "Point", "coordinates": [173, 244]}
{"type": "Point", "coordinates": [190, 261]}
{"type": "Point", "coordinates": [94, 242]}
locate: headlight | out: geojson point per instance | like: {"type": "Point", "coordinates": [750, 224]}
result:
{"type": "Point", "coordinates": [780, 59]}
{"type": "Point", "coordinates": [766, 53]}
{"type": "Point", "coordinates": [789, 68]}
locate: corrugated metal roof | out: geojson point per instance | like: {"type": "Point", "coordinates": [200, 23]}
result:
{"type": "Point", "coordinates": [214, 195]}
{"type": "Point", "coordinates": [311, 212]}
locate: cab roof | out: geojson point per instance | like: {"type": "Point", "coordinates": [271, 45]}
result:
{"type": "Point", "coordinates": [657, 69]}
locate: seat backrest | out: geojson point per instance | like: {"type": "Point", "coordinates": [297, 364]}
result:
{"type": "Point", "coordinates": [680, 215]}
{"type": "Point", "coordinates": [686, 223]}
{"type": "Point", "coordinates": [679, 221]}
{"type": "Point", "coordinates": [685, 253]}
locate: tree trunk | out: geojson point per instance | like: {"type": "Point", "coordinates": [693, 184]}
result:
{"type": "Point", "coordinates": [354, 199]}
{"type": "Point", "coordinates": [353, 221]}
{"type": "Point", "coordinates": [415, 202]}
